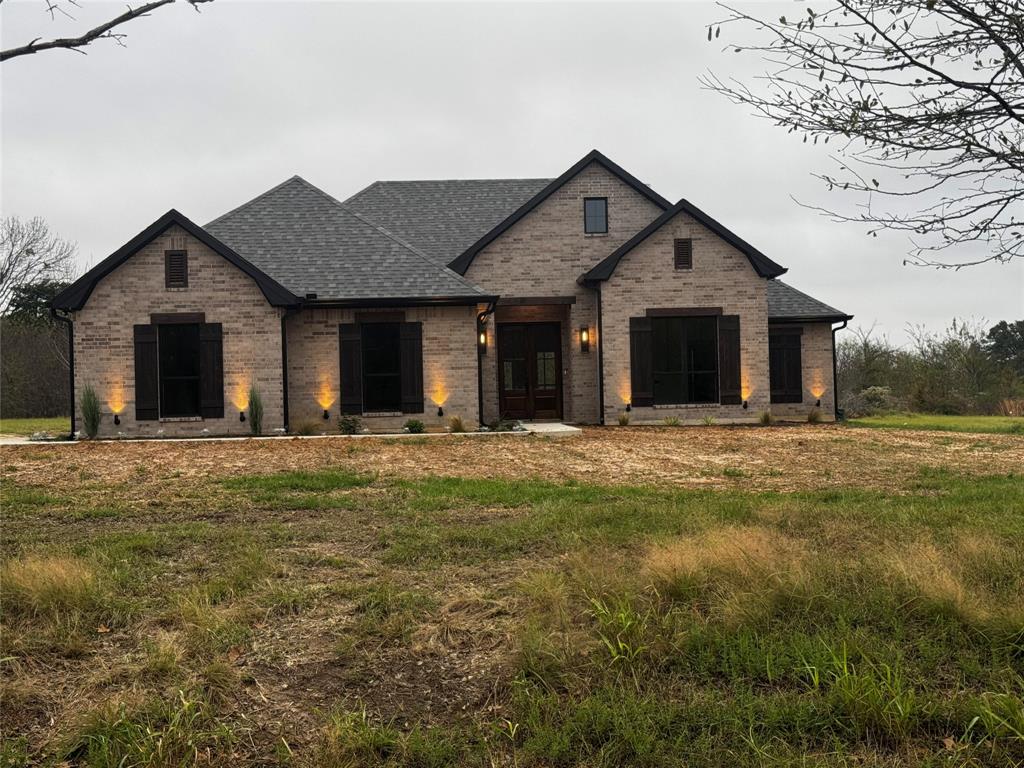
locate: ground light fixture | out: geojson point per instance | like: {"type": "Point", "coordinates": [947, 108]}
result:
{"type": "Point", "coordinates": [818, 404]}
{"type": "Point", "coordinates": [117, 419]}
{"type": "Point", "coordinates": [584, 339]}
{"type": "Point", "coordinates": [241, 415]}
{"type": "Point", "coordinates": [440, 411]}
{"type": "Point", "coordinates": [327, 414]}
{"type": "Point", "coordinates": [744, 405]}
{"type": "Point", "coordinates": [629, 407]}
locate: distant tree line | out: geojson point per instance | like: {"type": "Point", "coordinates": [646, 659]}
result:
{"type": "Point", "coordinates": [964, 369]}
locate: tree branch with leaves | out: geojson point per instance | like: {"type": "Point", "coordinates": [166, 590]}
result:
{"type": "Point", "coordinates": [925, 99]}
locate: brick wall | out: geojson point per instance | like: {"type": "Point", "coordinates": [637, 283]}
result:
{"type": "Point", "coordinates": [816, 361]}
{"type": "Point", "coordinates": [721, 277]}
{"type": "Point", "coordinates": [104, 341]}
{"type": "Point", "coordinates": [542, 255]}
{"type": "Point", "coordinates": [449, 366]}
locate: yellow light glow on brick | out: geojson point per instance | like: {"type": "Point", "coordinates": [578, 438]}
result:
{"type": "Point", "coordinates": [116, 399]}
{"type": "Point", "coordinates": [240, 394]}
{"type": "Point", "coordinates": [325, 392]}
{"type": "Point", "coordinates": [817, 383]}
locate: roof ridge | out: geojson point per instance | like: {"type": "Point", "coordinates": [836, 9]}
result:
{"type": "Point", "coordinates": [294, 177]}
{"type": "Point", "coordinates": [481, 179]}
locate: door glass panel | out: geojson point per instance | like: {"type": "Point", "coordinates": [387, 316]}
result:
{"type": "Point", "coordinates": [513, 357]}
{"type": "Point", "coordinates": [546, 370]}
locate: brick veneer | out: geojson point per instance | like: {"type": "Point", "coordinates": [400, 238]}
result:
{"type": "Point", "coordinates": [721, 277]}
{"type": "Point", "coordinates": [449, 365]}
{"type": "Point", "coordinates": [816, 361]}
{"type": "Point", "coordinates": [542, 255]}
{"type": "Point", "coordinates": [104, 341]}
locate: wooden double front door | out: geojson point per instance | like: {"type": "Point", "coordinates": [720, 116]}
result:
{"type": "Point", "coordinates": [530, 370]}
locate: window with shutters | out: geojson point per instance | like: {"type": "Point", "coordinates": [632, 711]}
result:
{"type": "Point", "coordinates": [176, 269]}
{"type": "Point", "coordinates": [595, 215]}
{"type": "Point", "coordinates": [785, 370]}
{"type": "Point", "coordinates": [684, 358]}
{"type": "Point", "coordinates": [382, 367]}
{"type": "Point", "coordinates": [683, 250]}
{"type": "Point", "coordinates": [178, 346]}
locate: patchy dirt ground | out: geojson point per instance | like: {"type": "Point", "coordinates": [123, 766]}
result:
{"type": "Point", "coordinates": [778, 458]}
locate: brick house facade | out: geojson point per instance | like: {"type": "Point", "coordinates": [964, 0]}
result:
{"type": "Point", "coordinates": [578, 298]}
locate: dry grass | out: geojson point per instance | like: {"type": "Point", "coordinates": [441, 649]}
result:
{"type": "Point", "coordinates": [47, 586]}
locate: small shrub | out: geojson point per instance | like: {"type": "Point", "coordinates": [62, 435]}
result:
{"type": "Point", "coordinates": [501, 425]}
{"type": "Point", "coordinates": [349, 425]}
{"type": "Point", "coordinates": [623, 419]}
{"type": "Point", "coordinates": [306, 428]}
{"type": "Point", "coordinates": [455, 424]}
{"type": "Point", "coordinates": [765, 418]}
{"type": "Point", "coordinates": [671, 421]}
{"type": "Point", "coordinates": [813, 416]}
{"type": "Point", "coordinates": [90, 407]}
{"type": "Point", "coordinates": [255, 411]}
{"type": "Point", "coordinates": [708, 421]}
{"type": "Point", "coordinates": [415, 427]}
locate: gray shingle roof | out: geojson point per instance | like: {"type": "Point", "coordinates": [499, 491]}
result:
{"type": "Point", "coordinates": [311, 243]}
{"type": "Point", "coordinates": [443, 218]}
{"type": "Point", "coordinates": [787, 303]}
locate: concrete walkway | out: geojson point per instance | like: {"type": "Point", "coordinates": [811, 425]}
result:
{"type": "Point", "coordinates": [552, 429]}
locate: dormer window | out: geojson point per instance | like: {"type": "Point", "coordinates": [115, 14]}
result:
{"type": "Point", "coordinates": [595, 215]}
{"type": "Point", "coordinates": [683, 248]}
{"type": "Point", "coordinates": [176, 269]}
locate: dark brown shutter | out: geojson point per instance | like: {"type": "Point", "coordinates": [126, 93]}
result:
{"type": "Point", "coordinates": [211, 371]}
{"type": "Point", "coordinates": [785, 371]}
{"type": "Point", "coordinates": [683, 253]}
{"type": "Point", "coordinates": [411, 342]}
{"type": "Point", "coordinates": [147, 381]}
{"type": "Point", "coordinates": [351, 344]}
{"type": "Point", "coordinates": [730, 385]}
{"type": "Point", "coordinates": [641, 364]}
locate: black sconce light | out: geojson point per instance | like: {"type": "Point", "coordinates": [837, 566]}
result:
{"type": "Point", "coordinates": [818, 404]}
{"type": "Point", "coordinates": [584, 339]}
{"type": "Point", "coordinates": [241, 415]}
{"type": "Point", "coordinates": [744, 405]}
{"type": "Point", "coordinates": [327, 414]}
{"type": "Point", "coordinates": [481, 340]}
{"type": "Point", "coordinates": [629, 407]}
{"type": "Point", "coordinates": [440, 411]}
{"type": "Point", "coordinates": [117, 419]}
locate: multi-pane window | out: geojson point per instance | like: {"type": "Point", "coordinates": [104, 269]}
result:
{"type": "Point", "coordinates": [546, 375]}
{"type": "Point", "coordinates": [685, 360]}
{"type": "Point", "coordinates": [382, 367]}
{"type": "Point", "coordinates": [178, 346]}
{"type": "Point", "coordinates": [595, 215]}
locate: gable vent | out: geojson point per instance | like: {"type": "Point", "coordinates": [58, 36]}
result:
{"type": "Point", "coordinates": [684, 253]}
{"type": "Point", "coordinates": [176, 269]}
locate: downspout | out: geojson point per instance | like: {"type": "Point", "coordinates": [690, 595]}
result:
{"type": "Point", "coordinates": [284, 368]}
{"type": "Point", "coordinates": [835, 375]}
{"type": "Point", "coordinates": [71, 362]}
{"type": "Point", "coordinates": [481, 319]}
{"type": "Point", "coordinates": [600, 360]}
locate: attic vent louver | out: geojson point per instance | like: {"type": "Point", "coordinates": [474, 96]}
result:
{"type": "Point", "coordinates": [176, 269]}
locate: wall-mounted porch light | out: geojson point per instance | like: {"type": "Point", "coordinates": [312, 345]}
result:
{"type": "Point", "coordinates": [241, 415]}
{"type": "Point", "coordinates": [481, 341]}
{"type": "Point", "coordinates": [584, 339]}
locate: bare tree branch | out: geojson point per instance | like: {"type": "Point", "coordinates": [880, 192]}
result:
{"type": "Point", "coordinates": [30, 253]}
{"type": "Point", "coordinates": [927, 98]}
{"type": "Point", "coordinates": [105, 31]}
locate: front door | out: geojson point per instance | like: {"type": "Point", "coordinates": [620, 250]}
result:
{"type": "Point", "coordinates": [530, 370]}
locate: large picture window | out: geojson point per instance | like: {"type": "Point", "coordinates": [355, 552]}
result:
{"type": "Point", "coordinates": [382, 367]}
{"type": "Point", "coordinates": [179, 370]}
{"type": "Point", "coordinates": [684, 358]}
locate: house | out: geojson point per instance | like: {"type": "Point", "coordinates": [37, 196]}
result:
{"type": "Point", "coordinates": [575, 298]}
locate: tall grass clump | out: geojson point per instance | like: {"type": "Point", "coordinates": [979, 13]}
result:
{"type": "Point", "coordinates": [455, 424]}
{"type": "Point", "coordinates": [49, 587]}
{"type": "Point", "coordinates": [765, 418]}
{"type": "Point", "coordinates": [89, 404]}
{"type": "Point", "coordinates": [814, 416]}
{"type": "Point", "coordinates": [623, 419]}
{"type": "Point", "coordinates": [255, 411]}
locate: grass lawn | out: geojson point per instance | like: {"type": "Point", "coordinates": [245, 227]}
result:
{"type": "Point", "coordinates": [330, 603]}
{"type": "Point", "coordinates": [54, 425]}
{"type": "Point", "coordinates": [1013, 425]}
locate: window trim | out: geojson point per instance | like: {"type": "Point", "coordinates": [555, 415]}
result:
{"type": "Point", "coordinates": [168, 256]}
{"type": "Point", "coordinates": [587, 231]}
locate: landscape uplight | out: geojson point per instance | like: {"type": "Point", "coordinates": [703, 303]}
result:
{"type": "Point", "coordinates": [241, 415]}
{"type": "Point", "coordinates": [327, 414]}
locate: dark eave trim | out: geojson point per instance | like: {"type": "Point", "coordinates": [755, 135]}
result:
{"type": "Point", "coordinates": [524, 301]}
{"type": "Point", "coordinates": [75, 295]}
{"type": "Point", "coordinates": [764, 266]}
{"type": "Point", "coordinates": [809, 319]}
{"type": "Point", "coordinates": [461, 263]}
{"type": "Point", "coordinates": [407, 301]}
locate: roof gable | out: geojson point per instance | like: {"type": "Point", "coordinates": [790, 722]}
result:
{"type": "Point", "coordinates": [324, 249]}
{"type": "Point", "coordinates": [764, 266]}
{"type": "Point", "coordinates": [75, 295]}
{"type": "Point", "coordinates": [461, 263]}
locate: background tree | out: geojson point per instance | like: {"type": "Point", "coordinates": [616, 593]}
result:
{"type": "Point", "coordinates": [108, 30]}
{"type": "Point", "coordinates": [30, 304]}
{"type": "Point", "coordinates": [1005, 344]}
{"type": "Point", "coordinates": [926, 100]}
{"type": "Point", "coordinates": [30, 254]}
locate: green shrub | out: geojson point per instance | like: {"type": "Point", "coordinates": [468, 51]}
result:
{"type": "Point", "coordinates": [671, 421]}
{"type": "Point", "coordinates": [90, 407]}
{"type": "Point", "coordinates": [415, 427]}
{"type": "Point", "coordinates": [455, 424]}
{"type": "Point", "coordinates": [765, 418]}
{"type": "Point", "coordinates": [708, 421]}
{"type": "Point", "coordinates": [623, 419]}
{"type": "Point", "coordinates": [350, 425]}
{"type": "Point", "coordinates": [255, 411]}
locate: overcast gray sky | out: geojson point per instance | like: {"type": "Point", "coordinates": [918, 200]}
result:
{"type": "Point", "coordinates": [203, 111]}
